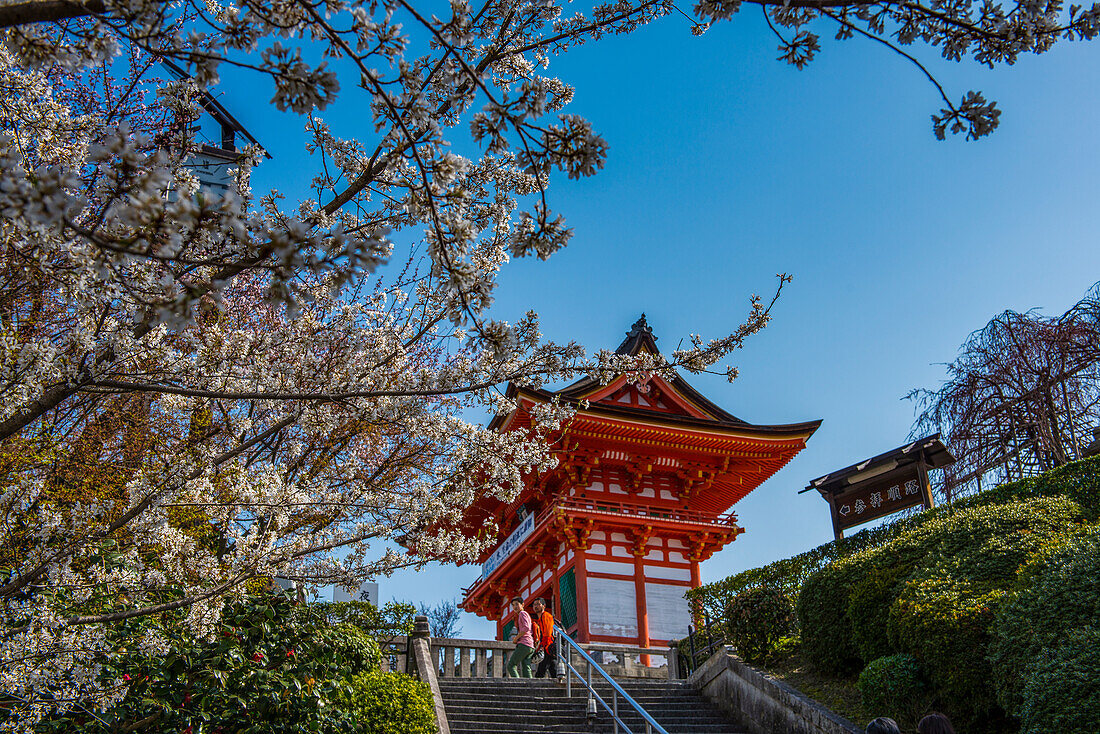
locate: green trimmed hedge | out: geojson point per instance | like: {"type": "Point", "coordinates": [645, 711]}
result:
{"type": "Point", "coordinates": [757, 619]}
{"type": "Point", "coordinates": [1078, 481]}
{"type": "Point", "coordinates": [823, 616]}
{"type": "Point", "coordinates": [932, 592]}
{"type": "Point", "coordinates": [389, 703]}
{"type": "Point", "coordinates": [1061, 693]}
{"type": "Point", "coordinates": [1056, 599]}
{"type": "Point", "coordinates": [895, 686]}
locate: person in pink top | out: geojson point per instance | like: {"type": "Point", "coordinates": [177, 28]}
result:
{"type": "Point", "coordinates": [519, 663]}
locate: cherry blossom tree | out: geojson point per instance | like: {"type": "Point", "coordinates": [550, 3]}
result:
{"type": "Point", "coordinates": [199, 390]}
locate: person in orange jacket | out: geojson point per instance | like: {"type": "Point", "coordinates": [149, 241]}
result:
{"type": "Point", "coordinates": [543, 621]}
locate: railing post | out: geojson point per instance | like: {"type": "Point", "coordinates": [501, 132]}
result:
{"type": "Point", "coordinates": [480, 669]}
{"type": "Point", "coordinates": [615, 709]}
{"type": "Point", "coordinates": [568, 673]}
{"type": "Point", "coordinates": [464, 662]}
{"type": "Point", "coordinates": [691, 643]}
{"type": "Point", "coordinates": [673, 658]}
{"type": "Point", "coordinates": [419, 649]}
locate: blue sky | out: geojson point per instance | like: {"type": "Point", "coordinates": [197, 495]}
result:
{"type": "Point", "coordinates": [727, 166]}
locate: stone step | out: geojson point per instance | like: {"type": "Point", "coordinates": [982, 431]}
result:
{"type": "Point", "coordinates": [567, 707]}
{"type": "Point", "coordinates": [490, 705]}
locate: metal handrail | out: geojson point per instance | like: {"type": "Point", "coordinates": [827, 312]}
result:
{"type": "Point", "coordinates": [651, 726]}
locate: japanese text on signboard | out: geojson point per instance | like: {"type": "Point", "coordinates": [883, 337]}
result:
{"type": "Point", "coordinates": [877, 500]}
{"type": "Point", "coordinates": [513, 541]}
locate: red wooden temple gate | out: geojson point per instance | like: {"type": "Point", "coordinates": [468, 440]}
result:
{"type": "Point", "coordinates": [641, 495]}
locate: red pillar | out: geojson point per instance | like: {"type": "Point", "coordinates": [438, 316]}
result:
{"type": "Point", "coordinates": [581, 574]}
{"type": "Point", "coordinates": [696, 582]}
{"type": "Point", "coordinates": [643, 609]}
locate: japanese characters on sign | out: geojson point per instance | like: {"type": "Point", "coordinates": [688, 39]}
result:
{"type": "Point", "coordinates": [875, 499]}
{"type": "Point", "coordinates": [525, 528]}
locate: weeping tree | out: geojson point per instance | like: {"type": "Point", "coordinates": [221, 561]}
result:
{"type": "Point", "coordinates": [1022, 397]}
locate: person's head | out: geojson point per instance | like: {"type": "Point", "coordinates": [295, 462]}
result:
{"type": "Point", "coordinates": [935, 724]}
{"type": "Point", "coordinates": [883, 725]}
{"type": "Point", "coordinates": [538, 606]}
{"type": "Point", "coordinates": [517, 604]}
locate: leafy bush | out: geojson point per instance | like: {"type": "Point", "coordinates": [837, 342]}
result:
{"type": "Point", "coordinates": [391, 620]}
{"type": "Point", "coordinates": [789, 574]}
{"type": "Point", "coordinates": [1061, 693]}
{"type": "Point", "coordinates": [945, 624]}
{"type": "Point", "coordinates": [1078, 481]}
{"type": "Point", "coordinates": [389, 703]}
{"type": "Point", "coordinates": [894, 686]}
{"type": "Point", "coordinates": [1058, 592]}
{"type": "Point", "coordinates": [944, 613]}
{"type": "Point", "coordinates": [352, 645]}
{"type": "Point", "coordinates": [276, 666]}
{"type": "Point", "coordinates": [931, 592]}
{"type": "Point", "coordinates": [757, 619]}
{"type": "Point", "coordinates": [823, 613]}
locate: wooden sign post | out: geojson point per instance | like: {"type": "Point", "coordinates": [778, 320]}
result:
{"type": "Point", "coordinates": [882, 485]}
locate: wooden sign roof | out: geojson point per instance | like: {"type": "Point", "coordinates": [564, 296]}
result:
{"type": "Point", "coordinates": [930, 449]}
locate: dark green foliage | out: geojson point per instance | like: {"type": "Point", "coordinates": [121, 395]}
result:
{"type": "Point", "coordinates": [351, 644]}
{"type": "Point", "coordinates": [1079, 481]}
{"type": "Point", "coordinates": [1062, 693]}
{"type": "Point", "coordinates": [388, 703]}
{"type": "Point", "coordinates": [1057, 595]}
{"type": "Point", "coordinates": [931, 592]}
{"type": "Point", "coordinates": [944, 612]}
{"type": "Point", "coordinates": [788, 574]}
{"type": "Point", "coordinates": [392, 620]}
{"type": "Point", "coordinates": [945, 624]}
{"type": "Point", "coordinates": [931, 585]}
{"type": "Point", "coordinates": [757, 619]}
{"type": "Point", "coordinates": [823, 612]}
{"type": "Point", "coordinates": [894, 686]}
{"type": "Point", "coordinates": [871, 594]}
{"type": "Point", "coordinates": [274, 666]}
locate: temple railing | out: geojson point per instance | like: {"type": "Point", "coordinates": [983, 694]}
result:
{"type": "Point", "coordinates": [461, 658]}
{"type": "Point", "coordinates": [395, 654]}
{"type": "Point", "coordinates": [628, 509]}
{"type": "Point", "coordinates": [614, 508]}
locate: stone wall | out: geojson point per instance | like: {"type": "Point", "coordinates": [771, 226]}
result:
{"type": "Point", "coordinates": [762, 704]}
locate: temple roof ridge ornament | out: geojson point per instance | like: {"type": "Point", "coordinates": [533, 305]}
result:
{"type": "Point", "coordinates": [639, 337]}
{"type": "Point", "coordinates": [639, 326]}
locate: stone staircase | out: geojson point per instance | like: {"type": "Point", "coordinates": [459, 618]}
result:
{"type": "Point", "coordinates": [488, 705]}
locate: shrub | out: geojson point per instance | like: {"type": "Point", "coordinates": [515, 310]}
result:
{"type": "Point", "coordinates": [389, 703]}
{"type": "Point", "coordinates": [932, 592]}
{"type": "Point", "coordinates": [1057, 592]}
{"type": "Point", "coordinates": [1061, 694]}
{"type": "Point", "coordinates": [274, 666]}
{"type": "Point", "coordinates": [391, 620]}
{"type": "Point", "coordinates": [894, 686]}
{"type": "Point", "coordinates": [944, 612]}
{"type": "Point", "coordinates": [945, 624]}
{"type": "Point", "coordinates": [353, 646]}
{"type": "Point", "coordinates": [757, 619]}
{"type": "Point", "coordinates": [1078, 481]}
{"type": "Point", "coordinates": [823, 616]}
{"type": "Point", "coordinates": [871, 595]}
